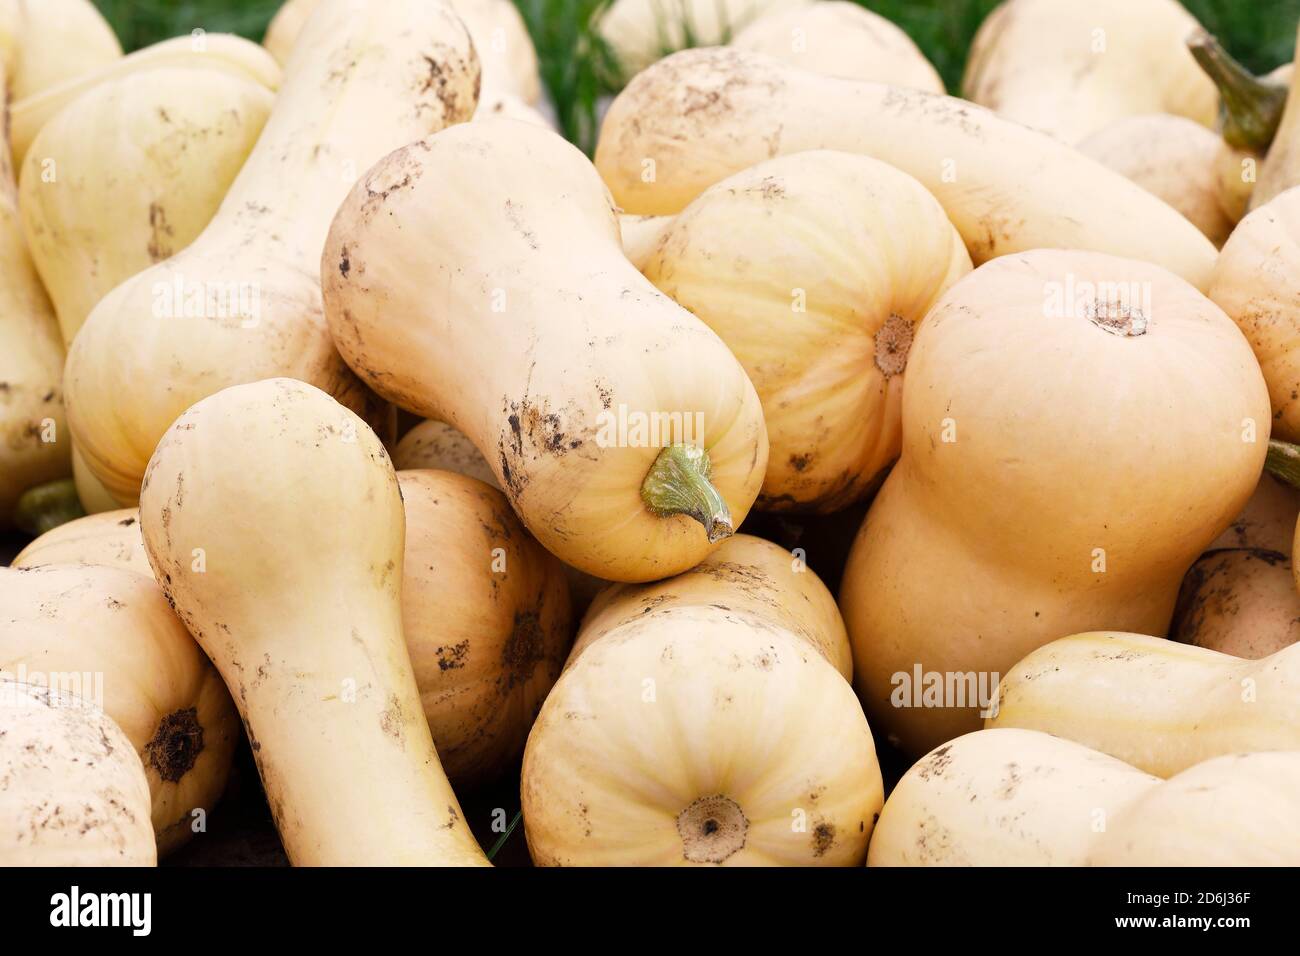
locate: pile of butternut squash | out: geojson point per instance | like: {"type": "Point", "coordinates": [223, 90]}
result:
{"type": "Point", "coordinates": [404, 457]}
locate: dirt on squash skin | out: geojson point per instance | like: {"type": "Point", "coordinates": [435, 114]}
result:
{"type": "Point", "coordinates": [175, 745]}
{"type": "Point", "coordinates": [1206, 585]}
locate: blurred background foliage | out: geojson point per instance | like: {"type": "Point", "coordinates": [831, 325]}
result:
{"type": "Point", "coordinates": [577, 70]}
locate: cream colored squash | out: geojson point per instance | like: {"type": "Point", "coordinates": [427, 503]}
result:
{"type": "Point", "coordinates": [242, 303]}
{"type": "Point", "coordinates": [299, 606]}
{"type": "Point", "coordinates": [129, 174]}
{"type": "Point", "coordinates": [702, 721]}
{"type": "Point", "coordinates": [1027, 503]}
{"type": "Point", "coordinates": [639, 32]}
{"type": "Point", "coordinates": [437, 445]}
{"type": "Point", "coordinates": [518, 320]}
{"type": "Point", "coordinates": [108, 539]}
{"type": "Point", "coordinates": [51, 41]}
{"type": "Point", "coordinates": [500, 105]}
{"type": "Point", "coordinates": [816, 269]}
{"type": "Point", "coordinates": [843, 39]}
{"type": "Point", "coordinates": [1235, 810]}
{"type": "Point", "coordinates": [1257, 282]}
{"type": "Point", "coordinates": [1004, 798]}
{"type": "Point", "coordinates": [1172, 158]}
{"type": "Point", "coordinates": [222, 52]}
{"type": "Point", "coordinates": [111, 632]}
{"type": "Point", "coordinates": [1071, 69]}
{"type": "Point", "coordinates": [1238, 601]}
{"type": "Point", "coordinates": [1280, 169]}
{"type": "Point", "coordinates": [641, 236]}
{"type": "Point", "coordinates": [1154, 703]}
{"type": "Point", "coordinates": [72, 791]}
{"type": "Point", "coordinates": [699, 116]}
{"type": "Point", "coordinates": [485, 611]}
{"type": "Point", "coordinates": [282, 32]}
{"type": "Point", "coordinates": [1267, 522]}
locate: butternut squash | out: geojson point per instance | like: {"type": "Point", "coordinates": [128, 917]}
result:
{"type": "Point", "coordinates": [1268, 521]}
{"type": "Point", "coordinates": [641, 236]}
{"type": "Point", "coordinates": [437, 445]}
{"type": "Point", "coordinates": [1238, 601]}
{"type": "Point", "coordinates": [242, 302]}
{"type": "Point", "coordinates": [1174, 159]}
{"type": "Point", "coordinates": [108, 539]}
{"type": "Point", "coordinates": [843, 39]}
{"type": "Point", "coordinates": [1071, 69]}
{"type": "Point", "coordinates": [47, 42]}
{"type": "Point", "coordinates": [129, 174]}
{"type": "Point", "coordinates": [1280, 169]}
{"type": "Point", "coordinates": [705, 720]}
{"type": "Point", "coordinates": [625, 434]}
{"type": "Point", "coordinates": [699, 116]}
{"type": "Point", "coordinates": [1025, 504]}
{"type": "Point", "coordinates": [72, 791]}
{"type": "Point", "coordinates": [222, 52]}
{"type": "Point", "coordinates": [816, 269]}
{"type": "Point", "coordinates": [111, 634]}
{"type": "Point", "coordinates": [485, 611]}
{"type": "Point", "coordinates": [303, 618]}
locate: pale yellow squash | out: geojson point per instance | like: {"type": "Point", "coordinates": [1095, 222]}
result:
{"type": "Point", "coordinates": [111, 634]}
{"type": "Point", "coordinates": [50, 41]}
{"type": "Point", "coordinates": [1026, 503]}
{"type": "Point", "coordinates": [1238, 601]}
{"type": "Point", "coordinates": [298, 603]}
{"type": "Point", "coordinates": [108, 539]}
{"type": "Point", "coordinates": [641, 236]}
{"type": "Point", "coordinates": [705, 720]}
{"type": "Point", "coordinates": [1154, 703]}
{"type": "Point", "coordinates": [816, 269]}
{"type": "Point", "coordinates": [437, 445]}
{"type": "Point", "coordinates": [1071, 69]}
{"type": "Point", "coordinates": [843, 39]}
{"type": "Point", "coordinates": [242, 302]}
{"type": "Point", "coordinates": [72, 791]}
{"type": "Point", "coordinates": [625, 434]}
{"type": "Point", "coordinates": [1280, 169]}
{"type": "Point", "coordinates": [699, 116]}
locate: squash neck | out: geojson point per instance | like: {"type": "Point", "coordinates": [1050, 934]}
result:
{"type": "Point", "coordinates": [1250, 109]}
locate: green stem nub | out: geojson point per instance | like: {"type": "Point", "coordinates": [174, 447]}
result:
{"type": "Point", "coordinates": [678, 484]}
{"type": "Point", "coordinates": [1283, 462]}
{"type": "Point", "coordinates": [1249, 108]}
{"type": "Point", "coordinates": [47, 506]}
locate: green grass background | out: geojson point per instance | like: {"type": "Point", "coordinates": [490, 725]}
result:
{"type": "Point", "coordinates": [576, 70]}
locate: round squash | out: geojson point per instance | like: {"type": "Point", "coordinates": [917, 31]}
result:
{"type": "Point", "coordinates": [1238, 601]}
{"type": "Point", "coordinates": [108, 539]}
{"type": "Point", "coordinates": [839, 38]}
{"type": "Point", "coordinates": [625, 433]}
{"type": "Point", "coordinates": [1027, 503]}
{"type": "Point", "coordinates": [816, 269]}
{"type": "Point", "coordinates": [303, 618]}
{"type": "Point", "coordinates": [1071, 69]}
{"type": "Point", "coordinates": [1153, 703]}
{"type": "Point", "coordinates": [242, 302]}
{"type": "Point", "coordinates": [111, 633]}
{"type": "Point", "coordinates": [705, 720]}
{"type": "Point", "coordinates": [72, 791]}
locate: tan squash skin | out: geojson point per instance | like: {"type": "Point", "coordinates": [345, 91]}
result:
{"type": "Point", "coordinates": [72, 791]}
{"type": "Point", "coordinates": [157, 685]}
{"type": "Point", "coordinates": [109, 539]}
{"type": "Point", "coordinates": [139, 361]}
{"type": "Point", "coordinates": [54, 41]}
{"type": "Point", "coordinates": [437, 445]}
{"type": "Point", "coordinates": [841, 39]}
{"type": "Point", "coordinates": [485, 611]}
{"type": "Point", "coordinates": [641, 236]}
{"type": "Point", "coordinates": [303, 618]}
{"type": "Point", "coordinates": [109, 187]}
{"type": "Point", "coordinates": [1267, 522]}
{"type": "Point", "coordinates": [445, 329]}
{"type": "Point", "coordinates": [703, 725]}
{"type": "Point", "coordinates": [1238, 601]}
{"type": "Point", "coordinates": [1153, 703]}
{"type": "Point", "coordinates": [1173, 158]}
{"type": "Point", "coordinates": [988, 540]}
{"type": "Point", "coordinates": [1280, 168]}
{"type": "Point", "coordinates": [702, 115]}
{"type": "Point", "coordinates": [1071, 69]}
{"type": "Point", "coordinates": [1255, 283]}
{"type": "Point", "coordinates": [816, 270]}
{"type": "Point", "coordinates": [1004, 798]}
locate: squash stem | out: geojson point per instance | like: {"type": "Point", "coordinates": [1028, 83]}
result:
{"type": "Point", "coordinates": [678, 484]}
{"type": "Point", "coordinates": [47, 506]}
{"type": "Point", "coordinates": [1250, 108]}
{"type": "Point", "coordinates": [1283, 462]}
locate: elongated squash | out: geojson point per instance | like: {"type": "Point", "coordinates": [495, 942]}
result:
{"type": "Point", "coordinates": [625, 434]}
{"type": "Point", "coordinates": [1280, 169]}
{"type": "Point", "coordinates": [1026, 504]}
{"type": "Point", "coordinates": [1071, 69]}
{"type": "Point", "coordinates": [303, 618]}
{"type": "Point", "coordinates": [1156, 704]}
{"type": "Point", "coordinates": [699, 116]}
{"type": "Point", "coordinates": [111, 633]}
{"type": "Point", "coordinates": [842, 39]}
{"type": "Point", "coordinates": [242, 303]}
{"type": "Point", "coordinates": [72, 791]}
{"type": "Point", "coordinates": [108, 539]}
{"type": "Point", "coordinates": [48, 42]}
{"type": "Point", "coordinates": [705, 720]}
{"type": "Point", "coordinates": [816, 270]}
